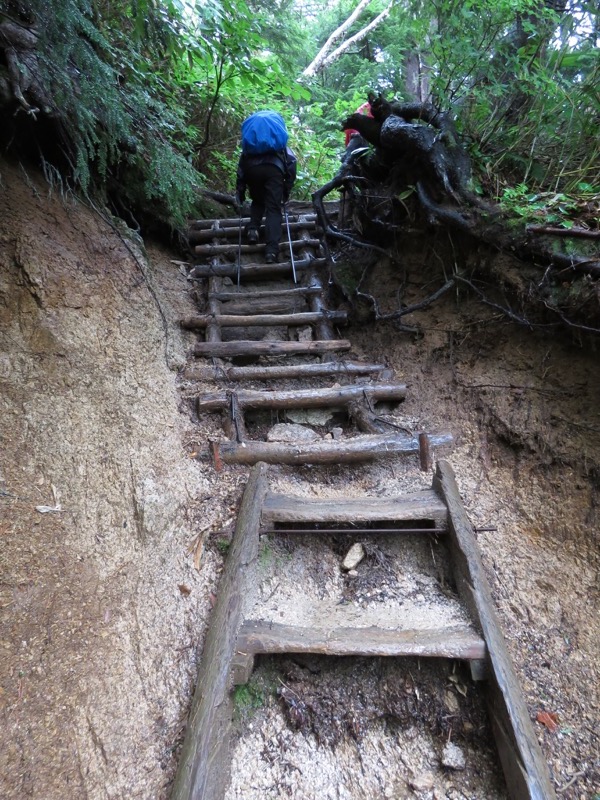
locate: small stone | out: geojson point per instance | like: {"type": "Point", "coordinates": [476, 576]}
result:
{"type": "Point", "coordinates": [291, 433]}
{"type": "Point", "coordinates": [453, 757]}
{"type": "Point", "coordinates": [352, 573]}
{"type": "Point", "coordinates": [337, 433]}
{"type": "Point", "coordinates": [422, 783]}
{"type": "Point", "coordinates": [305, 334]}
{"type": "Point", "coordinates": [354, 556]}
{"type": "Point", "coordinates": [310, 416]}
{"type": "Point", "coordinates": [451, 702]}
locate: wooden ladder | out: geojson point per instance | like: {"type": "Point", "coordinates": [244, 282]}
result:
{"type": "Point", "coordinates": [287, 309]}
{"type": "Point", "coordinates": [243, 302]}
{"type": "Point", "coordinates": [234, 638]}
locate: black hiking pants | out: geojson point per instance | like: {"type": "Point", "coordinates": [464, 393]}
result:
{"type": "Point", "coordinates": [265, 185]}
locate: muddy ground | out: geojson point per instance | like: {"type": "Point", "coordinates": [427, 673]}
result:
{"type": "Point", "coordinates": [110, 547]}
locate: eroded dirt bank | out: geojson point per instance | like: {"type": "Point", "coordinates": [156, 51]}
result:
{"type": "Point", "coordinates": [102, 607]}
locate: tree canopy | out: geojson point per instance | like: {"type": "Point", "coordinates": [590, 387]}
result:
{"type": "Point", "coordinates": [140, 103]}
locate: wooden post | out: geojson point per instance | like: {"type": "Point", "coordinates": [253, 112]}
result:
{"type": "Point", "coordinates": [424, 454]}
{"type": "Point", "coordinates": [524, 766]}
{"type": "Point", "coordinates": [203, 771]}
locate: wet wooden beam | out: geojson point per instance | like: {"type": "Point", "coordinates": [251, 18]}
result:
{"type": "Point", "coordinates": [360, 448]}
{"type": "Point", "coordinates": [233, 249]}
{"type": "Point", "coordinates": [262, 320]}
{"type": "Point", "coordinates": [525, 769]}
{"type": "Point", "coordinates": [302, 398]}
{"type": "Point", "coordinates": [196, 236]}
{"type": "Point", "coordinates": [266, 636]}
{"type": "Point", "coordinates": [234, 222]}
{"type": "Point", "coordinates": [265, 294]}
{"type": "Point", "coordinates": [203, 768]}
{"type": "Point", "coordinates": [227, 373]}
{"type": "Point", "coordinates": [254, 271]}
{"type": "Point", "coordinates": [422, 506]}
{"type": "Point", "coordinates": [267, 348]}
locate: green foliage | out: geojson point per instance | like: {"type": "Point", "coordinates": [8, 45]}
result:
{"type": "Point", "coordinates": [255, 694]}
{"type": "Point", "coordinates": [247, 698]}
{"type": "Point", "coordinates": [223, 546]}
{"type": "Point", "coordinates": [115, 112]}
{"type": "Point", "coordinates": [148, 96]}
{"type": "Point", "coordinates": [551, 208]}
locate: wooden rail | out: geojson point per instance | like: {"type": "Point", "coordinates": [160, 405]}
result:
{"type": "Point", "coordinates": [524, 767]}
{"type": "Point", "coordinates": [202, 772]}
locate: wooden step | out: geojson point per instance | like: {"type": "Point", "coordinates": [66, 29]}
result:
{"type": "Point", "coordinates": [263, 348]}
{"type": "Point", "coordinates": [416, 506]}
{"type": "Point", "coordinates": [302, 398]}
{"type": "Point", "coordinates": [266, 293]}
{"type": "Point", "coordinates": [268, 373]}
{"type": "Point", "coordinates": [266, 636]}
{"type": "Point", "coordinates": [263, 320]}
{"type": "Point", "coordinates": [359, 448]}
{"type": "Point", "coordinates": [234, 222]}
{"type": "Point", "coordinates": [233, 249]}
{"type": "Point", "coordinates": [196, 236]}
{"type": "Point", "coordinates": [256, 271]}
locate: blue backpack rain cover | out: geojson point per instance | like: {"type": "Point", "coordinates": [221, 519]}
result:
{"type": "Point", "coordinates": [263, 132]}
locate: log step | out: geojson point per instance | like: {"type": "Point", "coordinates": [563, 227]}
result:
{"type": "Point", "coordinates": [456, 641]}
{"type": "Point", "coordinates": [302, 398]}
{"type": "Point", "coordinates": [233, 249]}
{"type": "Point", "coordinates": [425, 506]}
{"type": "Point", "coordinates": [265, 294]}
{"type": "Point", "coordinates": [359, 448]}
{"type": "Point", "coordinates": [233, 231]}
{"type": "Point", "coordinates": [255, 271]}
{"type": "Point", "coordinates": [263, 348]}
{"type": "Point", "coordinates": [268, 373]}
{"type": "Point", "coordinates": [262, 320]}
{"type": "Point", "coordinates": [234, 222]}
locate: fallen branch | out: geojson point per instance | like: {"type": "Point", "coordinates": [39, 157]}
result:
{"type": "Point", "coordinates": [553, 231]}
{"type": "Point", "coordinates": [423, 304]}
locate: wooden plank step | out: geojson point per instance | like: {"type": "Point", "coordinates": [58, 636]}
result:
{"type": "Point", "coordinates": [196, 236]}
{"type": "Point", "coordinates": [359, 448]}
{"type": "Point", "coordinates": [269, 305]}
{"type": "Point", "coordinates": [267, 373]}
{"type": "Point", "coordinates": [456, 641]}
{"type": "Point", "coordinates": [302, 398]}
{"type": "Point", "coordinates": [234, 222]}
{"type": "Point", "coordinates": [255, 271]}
{"type": "Point", "coordinates": [233, 249]}
{"type": "Point", "coordinates": [262, 320]}
{"type": "Point", "coordinates": [266, 293]}
{"type": "Point", "coordinates": [416, 506]}
{"type": "Point", "coordinates": [262, 348]}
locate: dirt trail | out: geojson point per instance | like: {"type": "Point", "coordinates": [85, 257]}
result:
{"type": "Point", "coordinates": [102, 607]}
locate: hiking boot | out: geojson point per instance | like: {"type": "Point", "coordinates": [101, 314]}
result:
{"type": "Point", "coordinates": [252, 235]}
{"type": "Point", "coordinates": [271, 257]}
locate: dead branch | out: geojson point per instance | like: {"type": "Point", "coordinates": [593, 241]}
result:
{"type": "Point", "coordinates": [584, 233]}
{"type": "Point", "coordinates": [421, 305]}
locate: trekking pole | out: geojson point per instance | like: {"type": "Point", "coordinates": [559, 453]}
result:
{"type": "Point", "coordinates": [287, 222]}
{"type": "Point", "coordinates": [239, 254]}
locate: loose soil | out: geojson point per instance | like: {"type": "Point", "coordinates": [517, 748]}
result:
{"type": "Point", "coordinates": [112, 541]}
